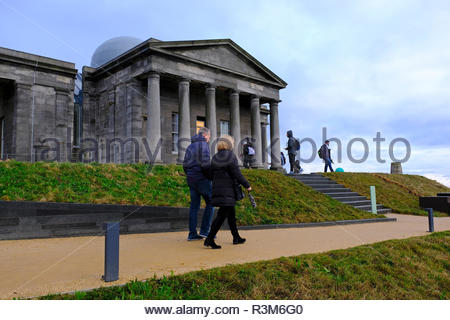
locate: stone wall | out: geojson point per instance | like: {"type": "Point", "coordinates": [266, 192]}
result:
{"type": "Point", "coordinates": [43, 105]}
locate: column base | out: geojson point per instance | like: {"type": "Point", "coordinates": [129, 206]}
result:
{"type": "Point", "coordinates": [280, 169]}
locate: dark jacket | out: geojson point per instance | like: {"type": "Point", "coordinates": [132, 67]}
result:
{"type": "Point", "coordinates": [225, 175]}
{"type": "Point", "coordinates": [291, 143]}
{"type": "Point", "coordinates": [325, 151]}
{"type": "Point", "coordinates": [197, 160]}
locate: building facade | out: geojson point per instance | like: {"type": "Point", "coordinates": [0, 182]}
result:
{"type": "Point", "coordinates": [140, 101]}
{"type": "Point", "coordinates": [36, 107]}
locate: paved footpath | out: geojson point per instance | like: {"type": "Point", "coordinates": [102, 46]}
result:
{"type": "Point", "coordinates": [36, 267]}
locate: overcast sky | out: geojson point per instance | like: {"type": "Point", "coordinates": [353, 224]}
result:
{"type": "Point", "coordinates": [354, 67]}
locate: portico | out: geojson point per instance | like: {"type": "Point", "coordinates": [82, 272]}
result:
{"type": "Point", "coordinates": [178, 86]}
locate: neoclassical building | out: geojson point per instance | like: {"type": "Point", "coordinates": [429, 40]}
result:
{"type": "Point", "coordinates": [143, 100]}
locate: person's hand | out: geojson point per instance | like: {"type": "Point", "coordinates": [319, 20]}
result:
{"type": "Point", "coordinates": [249, 189]}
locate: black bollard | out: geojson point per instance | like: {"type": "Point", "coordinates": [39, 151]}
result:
{"type": "Point", "coordinates": [111, 251]}
{"type": "Point", "coordinates": [430, 219]}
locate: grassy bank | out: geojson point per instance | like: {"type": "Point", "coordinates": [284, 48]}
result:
{"type": "Point", "coordinates": [414, 268]}
{"type": "Point", "coordinates": [280, 199]}
{"type": "Point", "coordinates": [397, 191]}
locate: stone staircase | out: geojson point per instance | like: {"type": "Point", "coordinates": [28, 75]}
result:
{"type": "Point", "coordinates": [337, 191]}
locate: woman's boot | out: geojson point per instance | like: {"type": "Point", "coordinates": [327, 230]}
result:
{"type": "Point", "coordinates": [238, 240]}
{"type": "Point", "coordinates": [210, 243]}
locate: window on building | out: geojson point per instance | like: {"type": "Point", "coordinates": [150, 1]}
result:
{"type": "Point", "coordinates": [200, 123]}
{"type": "Point", "coordinates": [224, 127]}
{"type": "Point", "coordinates": [175, 132]}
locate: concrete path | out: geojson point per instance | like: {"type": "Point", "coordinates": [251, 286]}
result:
{"type": "Point", "coordinates": [37, 267]}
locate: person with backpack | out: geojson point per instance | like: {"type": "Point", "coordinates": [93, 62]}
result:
{"type": "Point", "coordinates": [293, 146]}
{"type": "Point", "coordinates": [249, 153]}
{"type": "Point", "coordinates": [325, 154]}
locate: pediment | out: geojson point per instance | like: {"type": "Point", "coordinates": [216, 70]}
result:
{"type": "Point", "coordinates": [224, 55]}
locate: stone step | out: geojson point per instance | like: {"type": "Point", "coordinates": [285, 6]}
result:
{"type": "Point", "coordinates": [319, 182]}
{"type": "Point", "coordinates": [341, 194]}
{"type": "Point", "coordinates": [353, 198]}
{"type": "Point", "coordinates": [326, 186]}
{"type": "Point", "coordinates": [332, 190]}
{"type": "Point", "coordinates": [368, 207]}
{"type": "Point", "coordinates": [384, 210]}
{"type": "Point", "coordinates": [309, 179]}
{"type": "Point", "coordinates": [357, 203]}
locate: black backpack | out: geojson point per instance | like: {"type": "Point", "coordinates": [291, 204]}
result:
{"type": "Point", "coordinates": [296, 144]}
{"type": "Point", "coordinates": [320, 153]}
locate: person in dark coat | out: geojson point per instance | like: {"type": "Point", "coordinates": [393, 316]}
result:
{"type": "Point", "coordinates": [225, 175]}
{"type": "Point", "coordinates": [326, 155]}
{"type": "Point", "coordinates": [249, 153]}
{"type": "Point", "coordinates": [291, 149]}
{"type": "Point", "coordinates": [196, 165]}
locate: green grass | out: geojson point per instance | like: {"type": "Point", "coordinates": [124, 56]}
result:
{"type": "Point", "coordinates": [280, 199]}
{"type": "Point", "coordinates": [414, 268]}
{"type": "Point", "coordinates": [397, 191]}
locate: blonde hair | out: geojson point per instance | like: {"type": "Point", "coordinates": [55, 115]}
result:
{"type": "Point", "coordinates": [225, 142]}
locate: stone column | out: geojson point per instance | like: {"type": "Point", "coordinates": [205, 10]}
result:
{"type": "Point", "coordinates": [235, 121]}
{"type": "Point", "coordinates": [184, 134]}
{"type": "Point", "coordinates": [63, 116]}
{"type": "Point", "coordinates": [135, 150]}
{"type": "Point", "coordinates": [153, 133]}
{"type": "Point", "coordinates": [23, 149]}
{"type": "Point", "coordinates": [264, 143]}
{"type": "Point", "coordinates": [274, 137]}
{"type": "Point", "coordinates": [211, 115]}
{"type": "Point", "coordinates": [256, 130]}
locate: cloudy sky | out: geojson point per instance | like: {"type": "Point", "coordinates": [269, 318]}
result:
{"type": "Point", "coordinates": [353, 67]}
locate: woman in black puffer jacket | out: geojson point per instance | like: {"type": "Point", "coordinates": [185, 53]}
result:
{"type": "Point", "coordinates": [225, 175]}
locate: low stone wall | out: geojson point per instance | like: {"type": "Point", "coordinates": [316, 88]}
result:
{"type": "Point", "coordinates": [26, 219]}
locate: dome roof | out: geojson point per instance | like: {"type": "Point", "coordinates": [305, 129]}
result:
{"type": "Point", "coordinates": [112, 48]}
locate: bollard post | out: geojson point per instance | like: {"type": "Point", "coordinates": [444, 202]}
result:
{"type": "Point", "coordinates": [111, 251]}
{"type": "Point", "coordinates": [373, 199]}
{"type": "Point", "coordinates": [430, 219]}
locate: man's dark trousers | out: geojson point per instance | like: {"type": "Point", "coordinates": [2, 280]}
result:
{"type": "Point", "coordinates": [328, 164]}
{"type": "Point", "coordinates": [199, 189]}
{"type": "Point", "coordinates": [291, 161]}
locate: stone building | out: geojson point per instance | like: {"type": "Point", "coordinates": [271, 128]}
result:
{"type": "Point", "coordinates": [36, 106]}
{"type": "Point", "coordinates": [143, 100]}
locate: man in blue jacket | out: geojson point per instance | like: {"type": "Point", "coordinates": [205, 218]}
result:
{"type": "Point", "coordinates": [196, 165]}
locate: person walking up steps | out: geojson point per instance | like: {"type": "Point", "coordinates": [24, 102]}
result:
{"type": "Point", "coordinates": [227, 179]}
{"type": "Point", "coordinates": [196, 165]}
{"type": "Point", "coordinates": [292, 147]}
{"type": "Point", "coordinates": [325, 154]}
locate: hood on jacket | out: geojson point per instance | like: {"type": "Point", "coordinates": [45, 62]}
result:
{"type": "Point", "coordinates": [197, 138]}
{"type": "Point", "coordinates": [289, 133]}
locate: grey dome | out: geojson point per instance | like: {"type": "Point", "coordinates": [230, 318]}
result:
{"type": "Point", "coordinates": [112, 48]}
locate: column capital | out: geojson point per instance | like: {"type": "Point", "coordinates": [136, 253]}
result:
{"type": "Point", "coordinates": [154, 74]}
{"type": "Point", "coordinates": [209, 86]}
{"type": "Point", "coordinates": [184, 81]}
{"type": "Point", "coordinates": [274, 102]}
{"type": "Point", "coordinates": [254, 97]}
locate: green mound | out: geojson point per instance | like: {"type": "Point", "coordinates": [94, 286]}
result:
{"type": "Point", "coordinates": [414, 268]}
{"type": "Point", "coordinates": [280, 199]}
{"type": "Point", "coordinates": [400, 192]}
